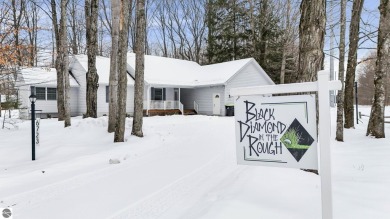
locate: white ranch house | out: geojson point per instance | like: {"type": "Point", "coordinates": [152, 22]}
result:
{"type": "Point", "coordinates": [170, 84]}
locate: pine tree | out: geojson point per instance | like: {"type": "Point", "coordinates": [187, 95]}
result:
{"type": "Point", "coordinates": [240, 29]}
{"type": "Point", "coordinates": [211, 23]}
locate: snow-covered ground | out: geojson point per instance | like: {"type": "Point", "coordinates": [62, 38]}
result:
{"type": "Point", "coordinates": [184, 167]}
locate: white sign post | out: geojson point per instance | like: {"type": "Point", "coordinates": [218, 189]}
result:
{"type": "Point", "coordinates": [281, 131]}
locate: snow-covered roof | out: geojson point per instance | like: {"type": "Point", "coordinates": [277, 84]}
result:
{"type": "Point", "coordinates": [42, 77]}
{"type": "Point", "coordinates": [102, 67]}
{"type": "Point", "coordinates": [220, 73]}
{"type": "Point", "coordinates": [158, 71]}
{"type": "Point", "coordinates": [169, 71]}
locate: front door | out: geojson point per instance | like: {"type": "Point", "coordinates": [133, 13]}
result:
{"type": "Point", "coordinates": [216, 104]}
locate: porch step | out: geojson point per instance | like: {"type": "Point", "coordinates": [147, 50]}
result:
{"type": "Point", "coordinates": [163, 112]}
{"type": "Point", "coordinates": [170, 112]}
{"type": "Point", "coordinates": [190, 112]}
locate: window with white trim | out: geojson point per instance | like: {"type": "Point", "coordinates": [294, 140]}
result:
{"type": "Point", "coordinates": [51, 93]}
{"type": "Point", "coordinates": [40, 93]}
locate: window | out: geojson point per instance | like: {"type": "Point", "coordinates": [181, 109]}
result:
{"type": "Point", "coordinates": [107, 94]}
{"type": "Point", "coordinates": [158, 94]}
{"type": "Point", "coordinates": [40, 92]}
{"type": "Point", "coordinates": [43, 93]}
{"type": "Point", "coordinates": [51, 93]}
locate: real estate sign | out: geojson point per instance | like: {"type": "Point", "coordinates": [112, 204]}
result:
{"type": "Point", "coordinates": [276, 131]}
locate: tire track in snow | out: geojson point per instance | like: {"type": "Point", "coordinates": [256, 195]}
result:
{"type": "Point", "coordinates": [32, 198]}
{"type": "Point", "coordinates": [150, 207]}
{"type": "Point", "coordinates": [157, 203]}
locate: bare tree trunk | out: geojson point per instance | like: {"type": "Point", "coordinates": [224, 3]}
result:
{"type": "Point", "coordinates": [16, 27]}
{"type": "Point", "coordinates": [73, 27]}
{"type": "Point", "coordinates": [311, 42]}
{"type": "Point", "coordinates": [67, 121]}
{"type": "Point", "coordinates": [32, 13]}
{"type": "Point", "coordinates": [122, 69]}
{"type": "Point", "coordinates": [58, 60]}
{"type": "Point", "coordinates": [55, 22]}
{"type": "Point", "coordinates": [107, 19]}
{"type": "Point", "coordinates": [331, 56]}
{"type": "Point", "coordinates": [34, 50]}
{"type": "Point", "coordinates": [352, 62]}
{"type": "Point", "coordinates": [63, 65]}
{"type": "Point", "coordinates": [340, 94]}
{"type": "Point", "coordinates": [283, 66]}
{"type": "Point", "coordinates": [113, 82]}
{"type": "Point", "coordinates": [54, 44]}
{"type": "Point", "coordinates": [101, 36]}
{"type": "Point", "coordinates": [132, 26]}
{"type": "Point", "coordinates": [139, 70]}
{"type": "Point", "coordinates": [91, 14]}
{"type": "Point", "coordinates": [163, 25]}
{"type": "Point", "coordinates": [286, 36]}
{"type": "Point", "coordinates": [376, 125]}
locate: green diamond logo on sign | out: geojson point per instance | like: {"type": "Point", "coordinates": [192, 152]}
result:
{"type": "Point", "coordinates": [276, 131]}
{"type": "Point", "coordinates": [297, 140]}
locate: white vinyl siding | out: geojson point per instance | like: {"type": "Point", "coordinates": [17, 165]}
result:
{"type": "Point", "coordinates": [74, 100]}
{"type": "Point", "coordinates": [130, 100]}
{"type": "Point", "coordinates": [79, 74]}
{"type": "Point", "coordinates": [103, 105]}
{"type": "Point", "coordinates": [250, 75]}
{"type": "Point", "coordinates": [50, 106]}
{"type": "Point", "coordinates": [204, 97]}
{"type": "Point", "coordinates": [169, 93]}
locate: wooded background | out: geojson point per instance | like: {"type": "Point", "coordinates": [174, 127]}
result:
{"type": "Point", "coordinates": [290, 39]}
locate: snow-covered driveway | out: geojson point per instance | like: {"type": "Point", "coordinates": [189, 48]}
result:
{"type": "Point", "coordinates": [155, 172]}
